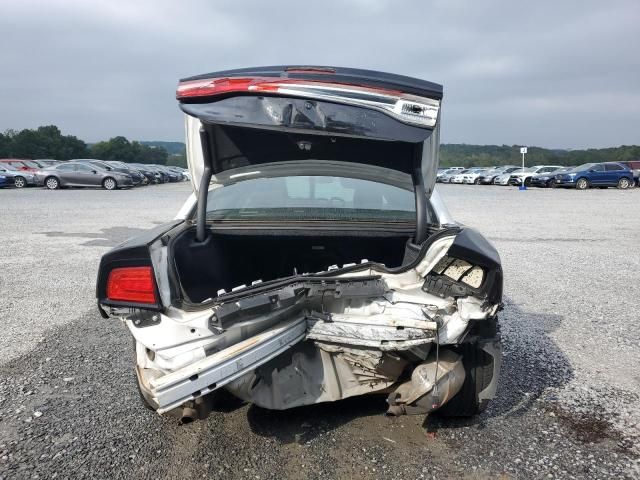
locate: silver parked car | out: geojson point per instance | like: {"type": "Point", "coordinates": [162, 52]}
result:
{"type": "Point", "coordinates": [19, 178]}
{"type": "Point", "coordinates": [76, 174]}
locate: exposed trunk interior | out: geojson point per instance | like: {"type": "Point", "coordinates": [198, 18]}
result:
{"type": "Point", "coordinates": [226, 260]}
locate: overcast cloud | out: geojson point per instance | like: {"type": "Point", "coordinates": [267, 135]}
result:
{"type": "Point", "coordinates": [551, 73]}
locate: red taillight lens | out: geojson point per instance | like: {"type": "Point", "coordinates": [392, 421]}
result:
{"type": "Point", "coordinates": [221, 86]}
{"type": "Point", "coordinates": [132, 284]}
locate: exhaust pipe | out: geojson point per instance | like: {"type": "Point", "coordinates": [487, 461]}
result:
{"type": "Point", "coordinates": [188, 415]}
{"type": "Point", "coordinates": [432, 384]}
{"type": "Point", "coordinates": [197, 409]}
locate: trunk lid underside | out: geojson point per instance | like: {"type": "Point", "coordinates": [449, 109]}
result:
{"type": "Point", "coordinates": [272, 114]}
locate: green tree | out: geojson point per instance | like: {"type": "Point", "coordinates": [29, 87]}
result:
{"type": "Point", "coordinates": [44, 142]}
{"type": "Point", "coordinates": [5, 143]}
{"type": "Point", "coordinates": [179, 160]}
{"type": "Point", "coordinates": [119, 148]}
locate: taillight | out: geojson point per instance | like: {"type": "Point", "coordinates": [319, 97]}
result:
{"type": "Point", "coordinates": [132, 284]}
{"type": "Point", "coordinates": [405, 107]}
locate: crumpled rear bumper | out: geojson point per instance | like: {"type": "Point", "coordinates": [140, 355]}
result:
{"type": "Point", "coordinates": [173, 389]}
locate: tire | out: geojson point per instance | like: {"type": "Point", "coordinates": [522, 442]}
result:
{"type": "Point", "coordinates": [624, 183]}
{"type": "Point", "coordinates": [19, 182]}
{"type": "Point", "coordinates": [479, 370]}
{"type": "Point", "coordinates": [551, 184]}
{"type": "Point", "coordinates": [476, 181]}
{"type": "Point", "coordinates": [527, 182]}
{"type": "Point", "coordinates": [109, 184]}
{"type": "Point", "coordinates": [52, 183]}
{"type": "Point", "coordinates": [582, 184]}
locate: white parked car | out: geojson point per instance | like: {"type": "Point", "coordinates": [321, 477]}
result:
{"type": "Point", "coordinates": [473, 176]}
{"type": "Point", "coordinates": [445, 175]}
{"type": "Point", "coordinates": [314, 260]}
{"type": "Point", "coordinates": [458, 177]}
{"type": "Point", "coordinates": [505, 175]}
{"type": "Point", "coordinates": [520, 176]}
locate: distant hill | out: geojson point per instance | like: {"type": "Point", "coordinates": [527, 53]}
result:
{"type": "Point", "coordinates": [172, 148]}
{"type": "Point", "coordinates": [461, 154]}
{"type": "Point", "coordinates": [454, 154]}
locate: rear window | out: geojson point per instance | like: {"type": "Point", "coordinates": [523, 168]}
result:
{"type": "Point", "coordinates": [311, 198]}
{"type": "Point", "coordinates": [610, 167]}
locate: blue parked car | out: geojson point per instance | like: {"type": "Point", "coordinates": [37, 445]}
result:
{"type": "Point", "coordinates": [601, 175]}
{"type": "Point", "coordinates": [3, 181]}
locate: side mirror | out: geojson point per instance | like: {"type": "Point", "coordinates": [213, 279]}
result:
{"type": "Point", "coordinates": [94, 171]}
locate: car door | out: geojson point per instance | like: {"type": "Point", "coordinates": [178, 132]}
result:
{"type": "Point", "coordinates": [615, 172]}
{"type": "Point", "coordinates": [87, 176]}
{"type": "Point", "coordinates": [597, 175]}
{"type": "Point", "coordinates": [66, 174]}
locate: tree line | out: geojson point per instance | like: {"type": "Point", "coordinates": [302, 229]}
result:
{"type": "Point", "coordinates": [49, 142]}
{"type": "Point", "coordinates": [464, 155]}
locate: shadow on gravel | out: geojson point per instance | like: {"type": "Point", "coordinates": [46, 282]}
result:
{"type": "Point", "coordinates": [532, 363]}
{"type": "Point", "coordinates": [302, 424]}
{"type": "Point", "coordinates": [107, 237]}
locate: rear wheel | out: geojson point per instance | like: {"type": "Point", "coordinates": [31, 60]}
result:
{"type": "Point", "coordinates": [582, 184]}
{"type": "Point", "coordinates": [19, 182]}
{"type": "Point", "coordinates": [623, 183]}
{"type": "Point", "coordinates": [527, 182]}
{"type": "Point", "coordinates": [476, 181]}
{"type": "Point", "coordinates": [109, 184]}
{"type": "Point", "coordinates": [52, 183]}
{"type": "Point", "coordinates": [479, 369]}
{"type": "Point", "coordinates": [551, 184]}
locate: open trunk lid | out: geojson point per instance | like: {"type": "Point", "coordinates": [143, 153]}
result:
{"type": "Point", "coordinates": [242, 118]}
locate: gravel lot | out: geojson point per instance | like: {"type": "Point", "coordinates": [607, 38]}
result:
{"type": "Point", "coordinates": [568, 404]}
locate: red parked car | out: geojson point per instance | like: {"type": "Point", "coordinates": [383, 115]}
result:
{"type": "Point", "coordinates": [21, 164]}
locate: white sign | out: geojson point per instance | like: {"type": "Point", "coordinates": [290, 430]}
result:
{"type": "Point", "coordinates": [523, 149]}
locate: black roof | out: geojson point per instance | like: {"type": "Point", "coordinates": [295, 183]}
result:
{"type": "Point", "coordinates": [356, 76]}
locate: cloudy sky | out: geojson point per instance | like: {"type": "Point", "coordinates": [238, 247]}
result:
{"type": "Point", "coordinates": [554, 73]}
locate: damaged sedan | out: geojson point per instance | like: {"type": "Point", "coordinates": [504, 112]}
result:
{"type": "Point", "coordinates": [314, 261]}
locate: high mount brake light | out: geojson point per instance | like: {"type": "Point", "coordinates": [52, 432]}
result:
{"type": "Point", "coordinates": [317, 70]}
{"type": "Point", "coordinates": [132, 284]}
{"type": "Point", "coordinates": [407, 108]}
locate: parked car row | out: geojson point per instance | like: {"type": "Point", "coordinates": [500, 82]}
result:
{"type": "Point", "coordinates": [85, 172]}
{"type": "Point", "coordinates": [601, 175]}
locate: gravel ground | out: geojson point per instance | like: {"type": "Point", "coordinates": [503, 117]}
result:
{"type": "Point", "coordinates": [568, 403]}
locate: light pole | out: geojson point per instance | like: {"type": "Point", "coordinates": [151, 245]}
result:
{"type": "Point", "coordinates": [523, 151]}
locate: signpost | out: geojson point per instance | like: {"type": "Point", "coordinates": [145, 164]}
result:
{"type": "Point", "coordinates": [523, 151]}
